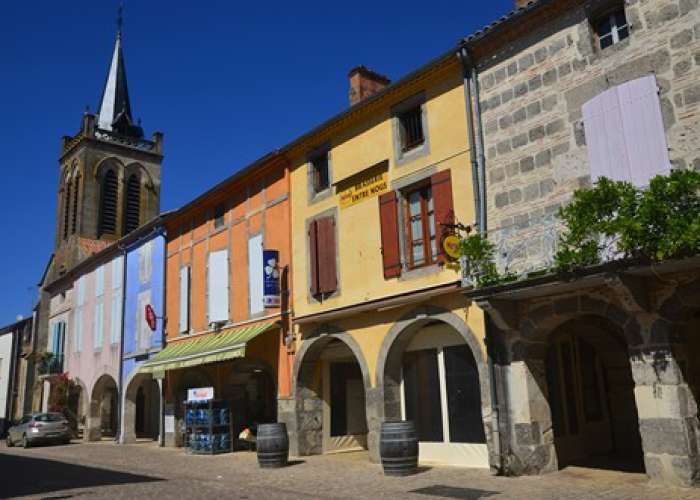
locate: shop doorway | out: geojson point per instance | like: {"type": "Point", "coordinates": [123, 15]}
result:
{"type": "Point", "coordinates": [250, 391]}
{"type": "Point", "coordinates": [591, 397]}
{"type": "Point", "coordinates": [440, 393]}
{"type": "Point", "coordinates": [103, 409]}
{"type": "Point", "coordinates": [331, 385]}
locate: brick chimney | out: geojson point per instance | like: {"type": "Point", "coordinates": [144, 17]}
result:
{"type": "Point", "coordinates": [365, 82]}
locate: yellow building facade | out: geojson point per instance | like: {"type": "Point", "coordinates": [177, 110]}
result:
{"type": "Point", "coordinates": [381, 330]}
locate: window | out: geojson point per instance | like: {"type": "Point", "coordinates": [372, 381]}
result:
{"type": "Point", "coordinates": [143, 331]}
{"type": "Point", "coordinates": [66, 208]}
{"type": "Point", "coordinates": [413, 223]}
{"type": "Point", "coordinates": [255, 274]}
{"type": "Point", "coordinates": [57, 346]}
{"type": "Point", "coordinates": [217, 290]}
{"type": "Point", "coordinates": [219, 212]}
{"type": "Point", "coordinates": [115, 319]}
{"type": "Point", "coordinates": [78, 329]}
{"type": "Point", "coordinates": [611, 28]}
{"type": "Point", "coordinates": [320, 175]}
{"type": "Point", "coordinates": [74, 216]}
{"type": "Point", "coordinates": [184, 299]}
{"type": "Point", "coordinates": [625, 134]}
{"type": "Point", "coordinates": [99, 326]}
{"type": "Point", "coordinates": [146, 261]}
{"type": "Point", "coordinates": [100, 281]}
{"type": "Point", "coordinates": [117, 271]}
{"type": "Point", "coordinates": [322, 252]}
{"type": "Point", "coordinates": [420, 227]}
{"type": "Point", "coordinates": [108, 203]}
{"type": "Point", "coordinates": [132, 203]}
{"type": "Point", "coordinates": [411, 128]}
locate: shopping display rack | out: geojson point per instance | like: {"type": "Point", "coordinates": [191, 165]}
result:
{"type": "Point", "coordinates": [208, 427]}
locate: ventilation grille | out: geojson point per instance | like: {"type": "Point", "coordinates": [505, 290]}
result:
{"type": "Point", "coordinates": [133, 204]}
{"type": "Point", "coordinates": [108, 210]}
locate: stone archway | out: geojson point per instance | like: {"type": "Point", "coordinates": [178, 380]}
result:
{"type": "Point", "coordinates": [310, 430]}
{"type": "Point", "coordinates": [102, 417]}
{"type": "Point", "coordinates": [141, 409]}
{"type": "Point", "coordinates": [473, 399]}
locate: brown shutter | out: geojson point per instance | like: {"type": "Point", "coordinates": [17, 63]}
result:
{"type": "Point", "coordinates": [388, 217]}
{"type": "Point", "coordinates": [441, 186]}
{"type": "Point", "coordinates": [327, 277]}
{"type": "Point", "coordinates": [313, 261]}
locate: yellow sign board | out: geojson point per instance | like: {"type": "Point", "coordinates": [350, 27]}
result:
{"type": "Point", "coordinates": [367, 184]}
{"type": "Point", "coordinates": [451, 246]}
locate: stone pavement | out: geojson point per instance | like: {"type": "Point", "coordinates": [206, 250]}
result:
{"type": "Point", "coordinates": [106, 470]}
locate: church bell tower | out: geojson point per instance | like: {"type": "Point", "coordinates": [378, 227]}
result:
{"type": "Point", "coordinates": [109, 174]}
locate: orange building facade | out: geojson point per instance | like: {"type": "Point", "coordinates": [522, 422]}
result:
{"type": "Point", "coordinates": [220, 332]}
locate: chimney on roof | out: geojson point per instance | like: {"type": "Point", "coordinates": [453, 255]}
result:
{"type": "Point", "coordinates": [365, 82]}
{"type": "Point", "coordinates": [519, 4]}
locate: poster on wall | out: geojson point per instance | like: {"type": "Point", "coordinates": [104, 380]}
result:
{"type": "Point", "coordinates": [200, 394]}
{"type": "Point", "coordinates": [271, 278]}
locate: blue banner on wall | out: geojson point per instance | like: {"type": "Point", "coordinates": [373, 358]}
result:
{"type": "Point", "coordinates": [271, 278]}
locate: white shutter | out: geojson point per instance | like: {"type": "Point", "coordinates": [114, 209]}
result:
{"type": "Point", "coordinates": [143, 331]}
{"type": "Point", "coordinates": [184, 299]}
{"type": "Point", "coordinates": [643, 129]}
{"type": "Point", "coordinates": [81, 290]}
{"type": "Point", "coordinates": [624, 133]}
{"type": "Point", "coordinates": [255, 274]}
{"type": "Point", "coordinates": [115, 319]}
{"type": "Point", "coordinates": [117, 272]}
{"type": "Point", "coordinates": [99, 326]}
{"type": "Point", "coordinates": [99, 281]}
{"type": "Point", "coordinates": [145, 261]}
{"type": "Point", "coordinates": [78, 329]}
{"type": "Point", "coordinates": [217, 278]}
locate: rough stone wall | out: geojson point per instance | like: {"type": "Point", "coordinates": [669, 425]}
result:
{"type": "Point", "coordinates": [531, 98]}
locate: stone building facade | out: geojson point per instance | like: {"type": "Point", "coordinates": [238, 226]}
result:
{"type": "Point", "coordinates": [534, 83]}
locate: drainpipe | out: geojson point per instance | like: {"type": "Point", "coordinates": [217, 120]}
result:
{"type": "Point", "coordinates": [476, 142]}
{"type": "Point", "coordinates": [120, 391]}
{"type": "Point", "coordinates": [161, 385]}
{"type": "Point", "coordinates": [465, 59]}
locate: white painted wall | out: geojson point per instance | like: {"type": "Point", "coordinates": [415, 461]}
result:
{"type": "Point", "coordinates": [5, 362]}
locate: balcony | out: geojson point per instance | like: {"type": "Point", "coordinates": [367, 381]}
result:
{"type": "Point", "coordinates": [50, 364]}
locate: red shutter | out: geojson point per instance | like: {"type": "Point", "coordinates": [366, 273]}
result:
{"type": "Point", "coordinates": [313, 261]}
{"type": "Point", "coordinates": [327, 277]}
{"type": "Point", "coordinates": [441, 186]}
{"type": "Point", "coordinates": [388, 216]}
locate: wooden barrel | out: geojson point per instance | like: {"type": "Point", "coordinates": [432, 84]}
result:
{"type": "Point", "coordinates": [398, 448]}
{"type": "Point", "coordinates": [273, 445]}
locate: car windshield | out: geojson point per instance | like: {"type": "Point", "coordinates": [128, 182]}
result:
{"type": "Point", "coordinates": [49, 417]}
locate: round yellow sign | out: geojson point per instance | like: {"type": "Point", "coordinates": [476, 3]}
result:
{"type": "Point", "coordinates": [451, 246]}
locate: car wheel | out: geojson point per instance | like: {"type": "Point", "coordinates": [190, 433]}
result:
{"type": "Point", "coordinates": [9, 442]}
{"type": "Point", "coordinates": [25, 442]}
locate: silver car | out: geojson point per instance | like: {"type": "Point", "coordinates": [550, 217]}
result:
{"type": "Point", "coordinates": [39, 427]}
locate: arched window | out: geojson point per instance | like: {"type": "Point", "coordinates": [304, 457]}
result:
{"type": "Point", "coordinates": [132, 203]}
{"type": "Point", "coordinates": [66, 207]}
{"type": "Point", "coordinates": [108, 203]}
{"type": "Point", "coordinates": [74, 216]}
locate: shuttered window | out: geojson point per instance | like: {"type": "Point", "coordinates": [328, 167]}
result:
{"type": "Point", "coordinates": [99, 326]}
{"type": "Point", "coordinates": [74, 217]}
{"type": "Point", "coordinates": [323, 272]}
{"type": "Point", "coordinates": [78, 333]}
{"type": "Point", "coordinates": [184, 299]}
{"type": "Point", "coordinates": [132, 203]}
{"type": "Point", "coordinates": [421, 247]}
{"type": "Point", "coordinates": [115, 319]}
{"type": "Point", "coordinates": [391, 252]}
{"type": "Point", "coordinates": [146, 261]}
{"type": "Point", "coordinates": [625, 134]}
{"type": "Point", "coordinates": [217, 292]}
{"type": "Point", "coordinates": [255, 274]}
{"type": "Point", "coordinates": [441, 185]}
{"type": "Point", "coordinates": [66, 208]}
{"type": "Point", "coordinates": [411, 128]}
{"type": "Point", "coordinates": [117, 272]}
{"type": "Point", "coordinates": [99, 281]}
{"type": "Point", "coordinates": [108, 204]}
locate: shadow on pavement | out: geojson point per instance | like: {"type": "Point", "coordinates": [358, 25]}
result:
{"type": "Point", "coordinates": [26, 475]}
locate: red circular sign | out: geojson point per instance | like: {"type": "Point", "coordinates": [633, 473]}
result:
{"type": "Point", "coordinates": [150, 317]}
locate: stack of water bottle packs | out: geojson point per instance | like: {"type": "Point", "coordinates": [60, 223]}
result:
{"type": "Point", "coordinates": [208, 427]}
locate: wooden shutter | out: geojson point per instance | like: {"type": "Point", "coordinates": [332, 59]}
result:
{"type": "Point", "coordinates": [327, 277]}
{"type": "Point", "coordinates": [218, 286]}
{"type": "Point", "coordinates": [184, 299]}
{"type": "Point", "coordinates": [255, 274]}
{"type": "Point", "coordinates": [443, 208]}
{"type": "Point", "coordinates": [389, 221]}
{"type": "Point", "coordinates": [313, 258]}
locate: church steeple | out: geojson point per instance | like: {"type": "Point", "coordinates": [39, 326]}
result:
{"type": "Point", "coordinates": [114, 110]}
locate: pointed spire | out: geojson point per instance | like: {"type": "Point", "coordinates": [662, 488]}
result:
{"type": "Point", "coordinates": [115, 108]}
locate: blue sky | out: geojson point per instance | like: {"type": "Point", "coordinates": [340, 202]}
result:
{"type": "Point", "coordinates": [226, 82]}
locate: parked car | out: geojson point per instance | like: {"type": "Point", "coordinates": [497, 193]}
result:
{"type": "Point", "coordinates": [39, 427]}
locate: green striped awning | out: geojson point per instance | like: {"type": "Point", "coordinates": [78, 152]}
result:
{"type": "Point", "coordinates": [226, 344]}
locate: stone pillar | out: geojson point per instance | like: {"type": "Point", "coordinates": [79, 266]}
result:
{"type": "Point", "coordinates": [668, 417]}
{"type": "Point", "coordinates": [309, 417]}
{"type": "Point", "coordinates": [532, 439]}
{"type": "Point", "coordinates": [375, 415]}
{"type": "Point", "coordinates": [93, 423]}
{"type": "Point", "coordinates": [286, 413]}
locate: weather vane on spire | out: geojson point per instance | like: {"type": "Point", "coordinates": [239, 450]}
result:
{"type": "Point", "coordinates": [120, 19]}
